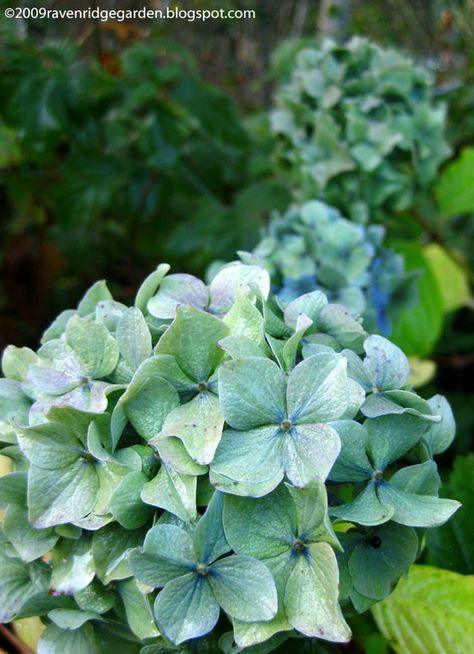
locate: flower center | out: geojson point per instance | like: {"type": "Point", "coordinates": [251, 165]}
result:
{"type": "Point", "coordinates": [202, 386]}
{"type": "Point", "coordinates": [378, 475]}
{"type": "Point", "coordinates": [201, 569]}
{"type": "Point", "coordinates": [298, 545]}
{"type": "Point", "coordinates": [374, 541]}
{"type": "Point", "coordinates": [286, 424]}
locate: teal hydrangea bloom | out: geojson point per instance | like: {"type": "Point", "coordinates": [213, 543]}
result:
{"type": "Point", "coordinates": [312, 246]}
{"type": "Point", "coordinates": [358, 127]}
{"type": "Point", "coordinates": [199, 503]}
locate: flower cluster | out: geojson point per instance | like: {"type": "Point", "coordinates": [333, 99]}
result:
{"type": "Point", "coordinates": [208, 465]}
{"type": "Point", "coordinates": [358, 123]}
{"type": "Point", "coordinates": [312, 246]}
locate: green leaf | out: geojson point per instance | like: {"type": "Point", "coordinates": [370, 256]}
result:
{"type": "Point", "coordinates": [252, 393]}
{"type": "Point", "coordinates": [126, 504]}
{"type": "Point", "coordinates": [148, 399]}
{"type": "Point", "coordinates": [192, 339]}
{"type": "Point", "coordinates": [452, 545]}
{"type": "Point", "coordinates": [317, 389]}
{"type": "Point", "coordinates": [133, 338]}
{"type": "Point", "coordinates": [429, 611]}
{"type": "Point", "coordinates": [311, 596]}
{"type": "Point", "coordinates": [173, 492]}
{"type": "Point", "coordinates": [419, 327]}
{"type": "Point", "coordinates": [198, 424]}
{"type": "Point", "coordinates": [95, 347]}
{"type": "Point", "coordinates": [452, 279]}
{"type": "Point", "coordinates": [138, 610]}
{"type": "Point", "coordinates": [244, 588]}
{"type": "Point", "coordinates": [186, 608]}
{"type": "Point", "coordinates": [455, 188]}
{"type": "Point", "coordinates": [58, 641]}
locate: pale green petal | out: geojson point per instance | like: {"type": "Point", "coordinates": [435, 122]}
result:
{"type": "Point", "coordinates": [250, 456]}
{"type": "Point", "coordinates": [167, 553]}
{"type": "Point", "coordinates": [311, 596]}
{"type": "Point", "coordinates": [386, 364]}
{"type": "Point", "coordinates": [317, 389]}
{"type": "Point", "coordinates": [264, 527]}
{"type": "Point", "coordinates": [148, 399]}
{"type": "Point", "coordinates": [186, 608]}
{"type": "Point", "coordinates": [95, 347]}
{"type": "Point", "coordinates": [50, 446]}
{"type": "Point", "coordinates": [198, 424]}
{"type": "Point", "coordinates": [374, 570]}
{"type": "Point", "coordinates": [367, 508]}
{"type": "Point", "coordinates": [389, 437]}
{"type": "Point", "coordinates": [137, 609]}
{"type": "Point", "coordinates": [126, 504]}
{"type": "Point", "coordinates": [244, 588]}
{"type": "Point", "coordinates": [133, 338]}
{"type": "Point", "coordinates": [56, 497]}
{"type": "Point", "coordinates": [352, 463]}
{"type": "Point", "coordinates": [309, 452]}
{"type": "Point", "coordinates": [173, 454]}
{"type": "Point", "coordinates": [173, 492]}
{"type": "Point", "coordinates": [440, 435]}
{"type": "Point", "coordinates": [192, 339]}
{"type": "Point", "coordinates": [252, 393]}
{"type": "Point", "coordinates": [209, 537]}
{"type": "Point", "coordinates": [176, 290]}
{"type": "Point", "coordinates": [149, 286]}
{"type": "Point", "coordinates": [417, 510]}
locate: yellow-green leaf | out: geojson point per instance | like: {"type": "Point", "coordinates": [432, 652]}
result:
{"type": "Point", "coordinates": [430, 612]}
{"type": "Point", "coordinates": [455, 189]}
{"type": "Point", "coordinates": [452, 279]}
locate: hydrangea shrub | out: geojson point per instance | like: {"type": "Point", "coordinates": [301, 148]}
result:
{"type": "Point", "coordinates": [313, 247]}
{"type": "Point", "coordinates": [358, 122]}
{"type": "Point", "coordinates": [208, 470]}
